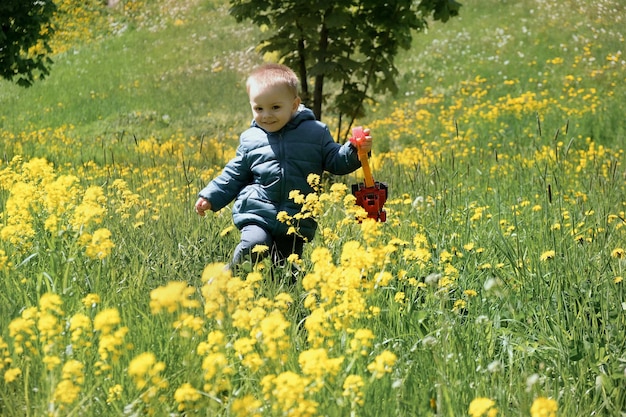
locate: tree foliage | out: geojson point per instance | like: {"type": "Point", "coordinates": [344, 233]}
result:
{"type": "Point", "coordinates": [26, 30]}
{"type": "Point", "coordinates": [350, 44]}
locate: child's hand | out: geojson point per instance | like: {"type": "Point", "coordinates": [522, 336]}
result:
{"type": "Point", "coordinates": [366, 144]}
{"type": "Point", "coordinates": [362, 139]}
{"type": "Point", "coordinates": [202, 206]}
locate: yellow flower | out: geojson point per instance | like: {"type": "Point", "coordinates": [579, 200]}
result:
{"type": "Point", "coordinates": [244, 345]}
{"type": "Point", "coordinates": [227, 230]}
{"type": "Point", "coordinates": [144, 370]}
{"type": "Point", "coordinates": [260, 249]}
{"type": "Point", "coordinates": [282, 216]}
{"type": "Point", "coordinates": [286, 392]}
{"type": "Point", "coordinates": [313, 180]}
{"type": "Point", "coordinates": [459, 305]}
{"type": "Point", "coordinates": [4, 260]}
{"type": "Point", "coordinates": [188, 324]}
{"type": "Point", "coordinates": [51, 362]}
{"type": "Point", "coordinates": [273, 336]}
{"type": "Point", "coordinates": [91, 300]}
{"type": "Point", "coordinates": [115, 393]}
{"type": "Point", "coordinates": [51, 302]}
{"type": "Point", "coordinates": [316, 364]}
{"type": "Point", "coordinates": [66, 392]}
{"type": "Point", "coordinates": [216, 369]}
{"type": "Point", "coordinates": [294, 259]}
{"type": "Point", "coordinates": [547, 255]}
{"type": "Point", "coordinates": [100, 245]}
{"type": "Point", "coordinates": [80, 325]}
{"type": "Point", "coordinates": [172, 297]}
{"type": "Point", "coordinates": [106, 320]}
{"type": "Point", "coordinates": [482, 407]}
{"type": "Point", "coordinates": [185, 396]}
{"type": "Point", "coordinates": [110, 346]}
{"type": "Point", "coordinates": [361, 341]}
{"type": "Point", "coordinates": [382, 364]}
{"type": "Point", "coordinates": [73, 370]}
{"type": "Point", "coordinates": [618, 253]}
{"type": "Point", "coordinates": [248, 406]}
{"type": "Point", "coordinates": [544, 407]}
{"type": "Point", "coordinates": [91, 210]}
{"type": "Point", "coordinates": [22, 330]}
{"type": "Point", "coordinates": [296, 196]}
{"type": "Point", "coordinates": [352, 386]}
{"type": "Point", "coordinates": [12, 374]}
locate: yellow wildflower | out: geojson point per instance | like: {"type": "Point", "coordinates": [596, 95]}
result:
{"type": "Point", "coordinates": [186, 395]}
{"type": "Point", "coordinates": [91, 210]}
{"type": "Point", "coordinates": [316, 364]}
{"type": "Point", "coordinates": [618, 253]}
{"type": "Point", "coordinates": [12, 374]}
{"type": "Point", "coordinates": [352, 389]}
{"type": "Point", "coordinates": [361, 341]}
{"type": "Point", "coordinates": [91, 300]}
{"type": "Point", "coordinates": [115, 393]}
{"type": "Point", "coordinates": [482, 407]}
{"type": "Point", "coordinates": [286, 392]}
{"type": "Point", "coordinates": [66, 391]}
{"type": "Point", "coordinates": [106, 320]}
{"type": "Point", "coordinates": [459, 305]}
{"type": "Point", "coordinates": [544, 407]}
{"type": "Point", "coordinates": [172, 297]}
{"type": "Point", "coordinates": [399, 297]}
{"type": "Point", "coordinates": [383, 364]}
{"type": "Point", "coordinates": [260, 249]}
{"type": "Point", "coordinates": [100, 245]}
{"type": "Point", "coordinates": [247, 406]}
{"type": "Point", "coordinates": [296, 196]}
{"type": "Point", "coordinates": [144, 370]}
{"type": "Point", "coordinates": [80, 329]}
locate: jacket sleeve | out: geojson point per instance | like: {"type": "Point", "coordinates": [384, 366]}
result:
{"type": "Point", "coordinates": [339, 159]}
{"type": "Point", "coordinates": [225, 187]}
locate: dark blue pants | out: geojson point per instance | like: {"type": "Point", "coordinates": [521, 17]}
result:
{"type": "Point", "coordinates": [280, 247]}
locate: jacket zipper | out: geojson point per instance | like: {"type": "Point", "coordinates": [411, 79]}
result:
{"type": "Point", "coordinates": [281, 162]}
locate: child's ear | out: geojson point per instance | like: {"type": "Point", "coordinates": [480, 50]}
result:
{"type": "Point", "coordinates": [296, 104]}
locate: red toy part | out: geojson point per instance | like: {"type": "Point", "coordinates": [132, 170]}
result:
{"type": "Point", "coordinates": [371, 195]}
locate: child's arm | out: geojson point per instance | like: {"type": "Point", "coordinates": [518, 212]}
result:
{"type": "Point", "coordinates": [343, 159]}
{"type": "Point", "coordinates": [225, 187]}
{"type": "Point", "coordinates": [202, 206]}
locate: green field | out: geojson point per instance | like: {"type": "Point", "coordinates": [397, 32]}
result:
{"type": "Point", "coordinates": [495, 287]}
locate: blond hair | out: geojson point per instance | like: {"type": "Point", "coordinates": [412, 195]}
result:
{"type": "Point", "coordinates": [273, 75]}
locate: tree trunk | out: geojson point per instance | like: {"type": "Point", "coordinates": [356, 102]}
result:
{"type": "Point", "coordinates": [318, 90]}
{"type": "Point", "coordinates": [304, 79]}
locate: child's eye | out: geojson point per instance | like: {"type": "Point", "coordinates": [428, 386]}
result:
{"type": "Point", "coordinates": [276, 108]}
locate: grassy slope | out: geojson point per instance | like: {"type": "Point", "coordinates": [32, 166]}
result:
{"type": "Point", "coordinates": [176, 76]}
{"type": "Point", "coordinates": [184, 76]}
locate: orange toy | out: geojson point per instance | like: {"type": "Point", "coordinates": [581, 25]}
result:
{"type": "Point", "coordinates": [371, 195]}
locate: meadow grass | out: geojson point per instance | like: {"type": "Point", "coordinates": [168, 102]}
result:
{"type": "Point", "coordinates": [494, 288]}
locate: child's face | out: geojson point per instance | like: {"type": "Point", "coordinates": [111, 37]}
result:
{"type": "Point", "coordinates": [272, 107]}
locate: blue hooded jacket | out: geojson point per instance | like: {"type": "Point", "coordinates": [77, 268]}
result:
{"type": "Point", "coordinates": [267, 166]}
